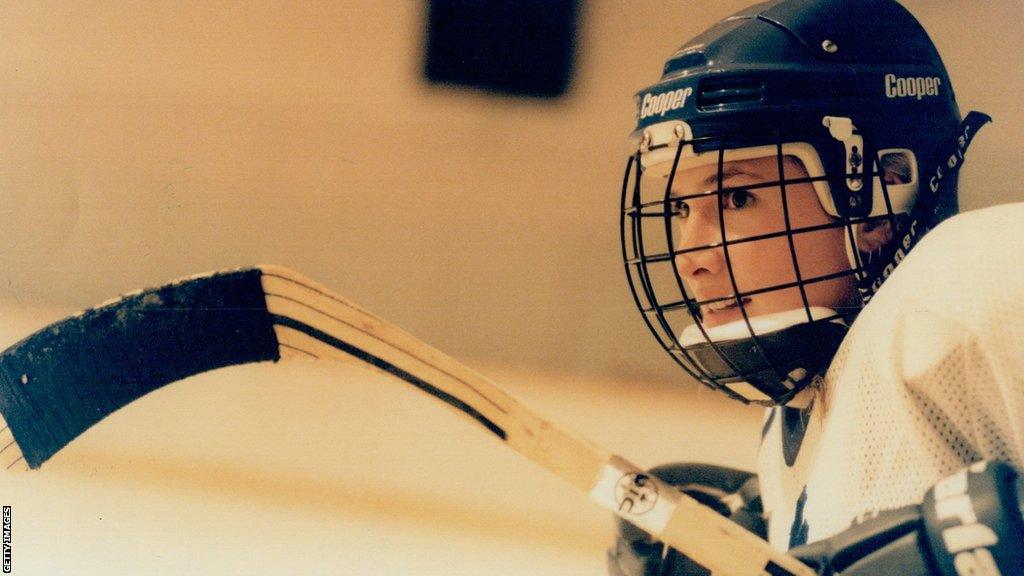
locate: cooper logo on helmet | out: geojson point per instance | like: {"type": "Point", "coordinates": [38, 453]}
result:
{"type": "Point", "coordinates": [918, 87]}
{"type": "Point", "coordinates": [661, 104]}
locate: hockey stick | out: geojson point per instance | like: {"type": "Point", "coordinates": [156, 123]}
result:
{"type": "Point", "coordinates": [60, 381]}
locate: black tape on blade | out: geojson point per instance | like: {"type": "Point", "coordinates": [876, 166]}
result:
{"type": "Point", "coordinates": [63, 379]}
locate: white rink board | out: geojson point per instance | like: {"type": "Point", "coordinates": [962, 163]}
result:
{"type": "Point", "coordinates": [322, 469]}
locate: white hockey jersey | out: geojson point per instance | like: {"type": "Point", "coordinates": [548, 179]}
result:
{"type": "Point", "coordinates": [929, 379]}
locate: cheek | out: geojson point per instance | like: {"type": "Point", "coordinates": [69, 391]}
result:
{"type": "Point", "coordinates": [768, 263]}
{"type": "Point", "coordinates": [822, 252]}
{"type": "Point", "coordinates": [762, 264]}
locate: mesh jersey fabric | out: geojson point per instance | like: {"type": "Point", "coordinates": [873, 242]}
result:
{"type": "Point", "coordinates": [929, 379]}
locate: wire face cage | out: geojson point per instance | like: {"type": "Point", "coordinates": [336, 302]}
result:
{"type": "Point", "coordinates": [725, 269]}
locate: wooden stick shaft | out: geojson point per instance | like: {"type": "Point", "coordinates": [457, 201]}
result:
{"type": "Point", "coordinates": [696, 530]}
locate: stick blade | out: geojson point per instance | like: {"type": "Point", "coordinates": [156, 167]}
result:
{"type": "Point", "coordinates": [60, 381]}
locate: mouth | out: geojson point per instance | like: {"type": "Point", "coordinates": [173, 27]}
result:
{"type": "Point", "coordinates": [723, 306]}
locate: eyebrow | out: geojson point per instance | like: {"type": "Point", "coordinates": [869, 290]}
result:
{"type": "Point", "coordinates": [729, 172]}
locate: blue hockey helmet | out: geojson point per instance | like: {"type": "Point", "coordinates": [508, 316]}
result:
{"type": "Point", "coordinates": [853, 92]}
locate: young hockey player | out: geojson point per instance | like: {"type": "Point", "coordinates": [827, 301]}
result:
{"type": "Point", "coordinates": [787, 163]}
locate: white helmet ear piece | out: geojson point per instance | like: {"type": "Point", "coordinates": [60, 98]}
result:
{"type": "Point", "coordinates": [899, 170]}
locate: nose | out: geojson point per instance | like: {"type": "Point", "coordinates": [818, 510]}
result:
{"type": "Point", "coordinates": [700, 238]}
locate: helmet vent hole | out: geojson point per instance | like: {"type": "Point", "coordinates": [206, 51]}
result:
{"type": "Point", "coordinates": [719, 92]}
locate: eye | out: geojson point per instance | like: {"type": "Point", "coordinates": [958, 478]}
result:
{"type": "Point", "coordinates": [679, 208]}
{"type": "Point", "coordinates": [738, 199]}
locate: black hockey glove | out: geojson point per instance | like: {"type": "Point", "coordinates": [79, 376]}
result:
{"type": "Point", "coordinates": [732, 493]}
{"type": "Point", "coordinates": [969, 524]}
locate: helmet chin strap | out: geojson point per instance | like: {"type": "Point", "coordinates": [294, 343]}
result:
{"type": "Point", "coordinates": [736, 359]}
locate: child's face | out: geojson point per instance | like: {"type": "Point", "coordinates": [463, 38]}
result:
{"type": "Point", "coordinates": [764, 264]}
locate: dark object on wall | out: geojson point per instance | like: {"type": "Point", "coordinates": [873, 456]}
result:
{"type": "Point", "coordinates": [518, 47]}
